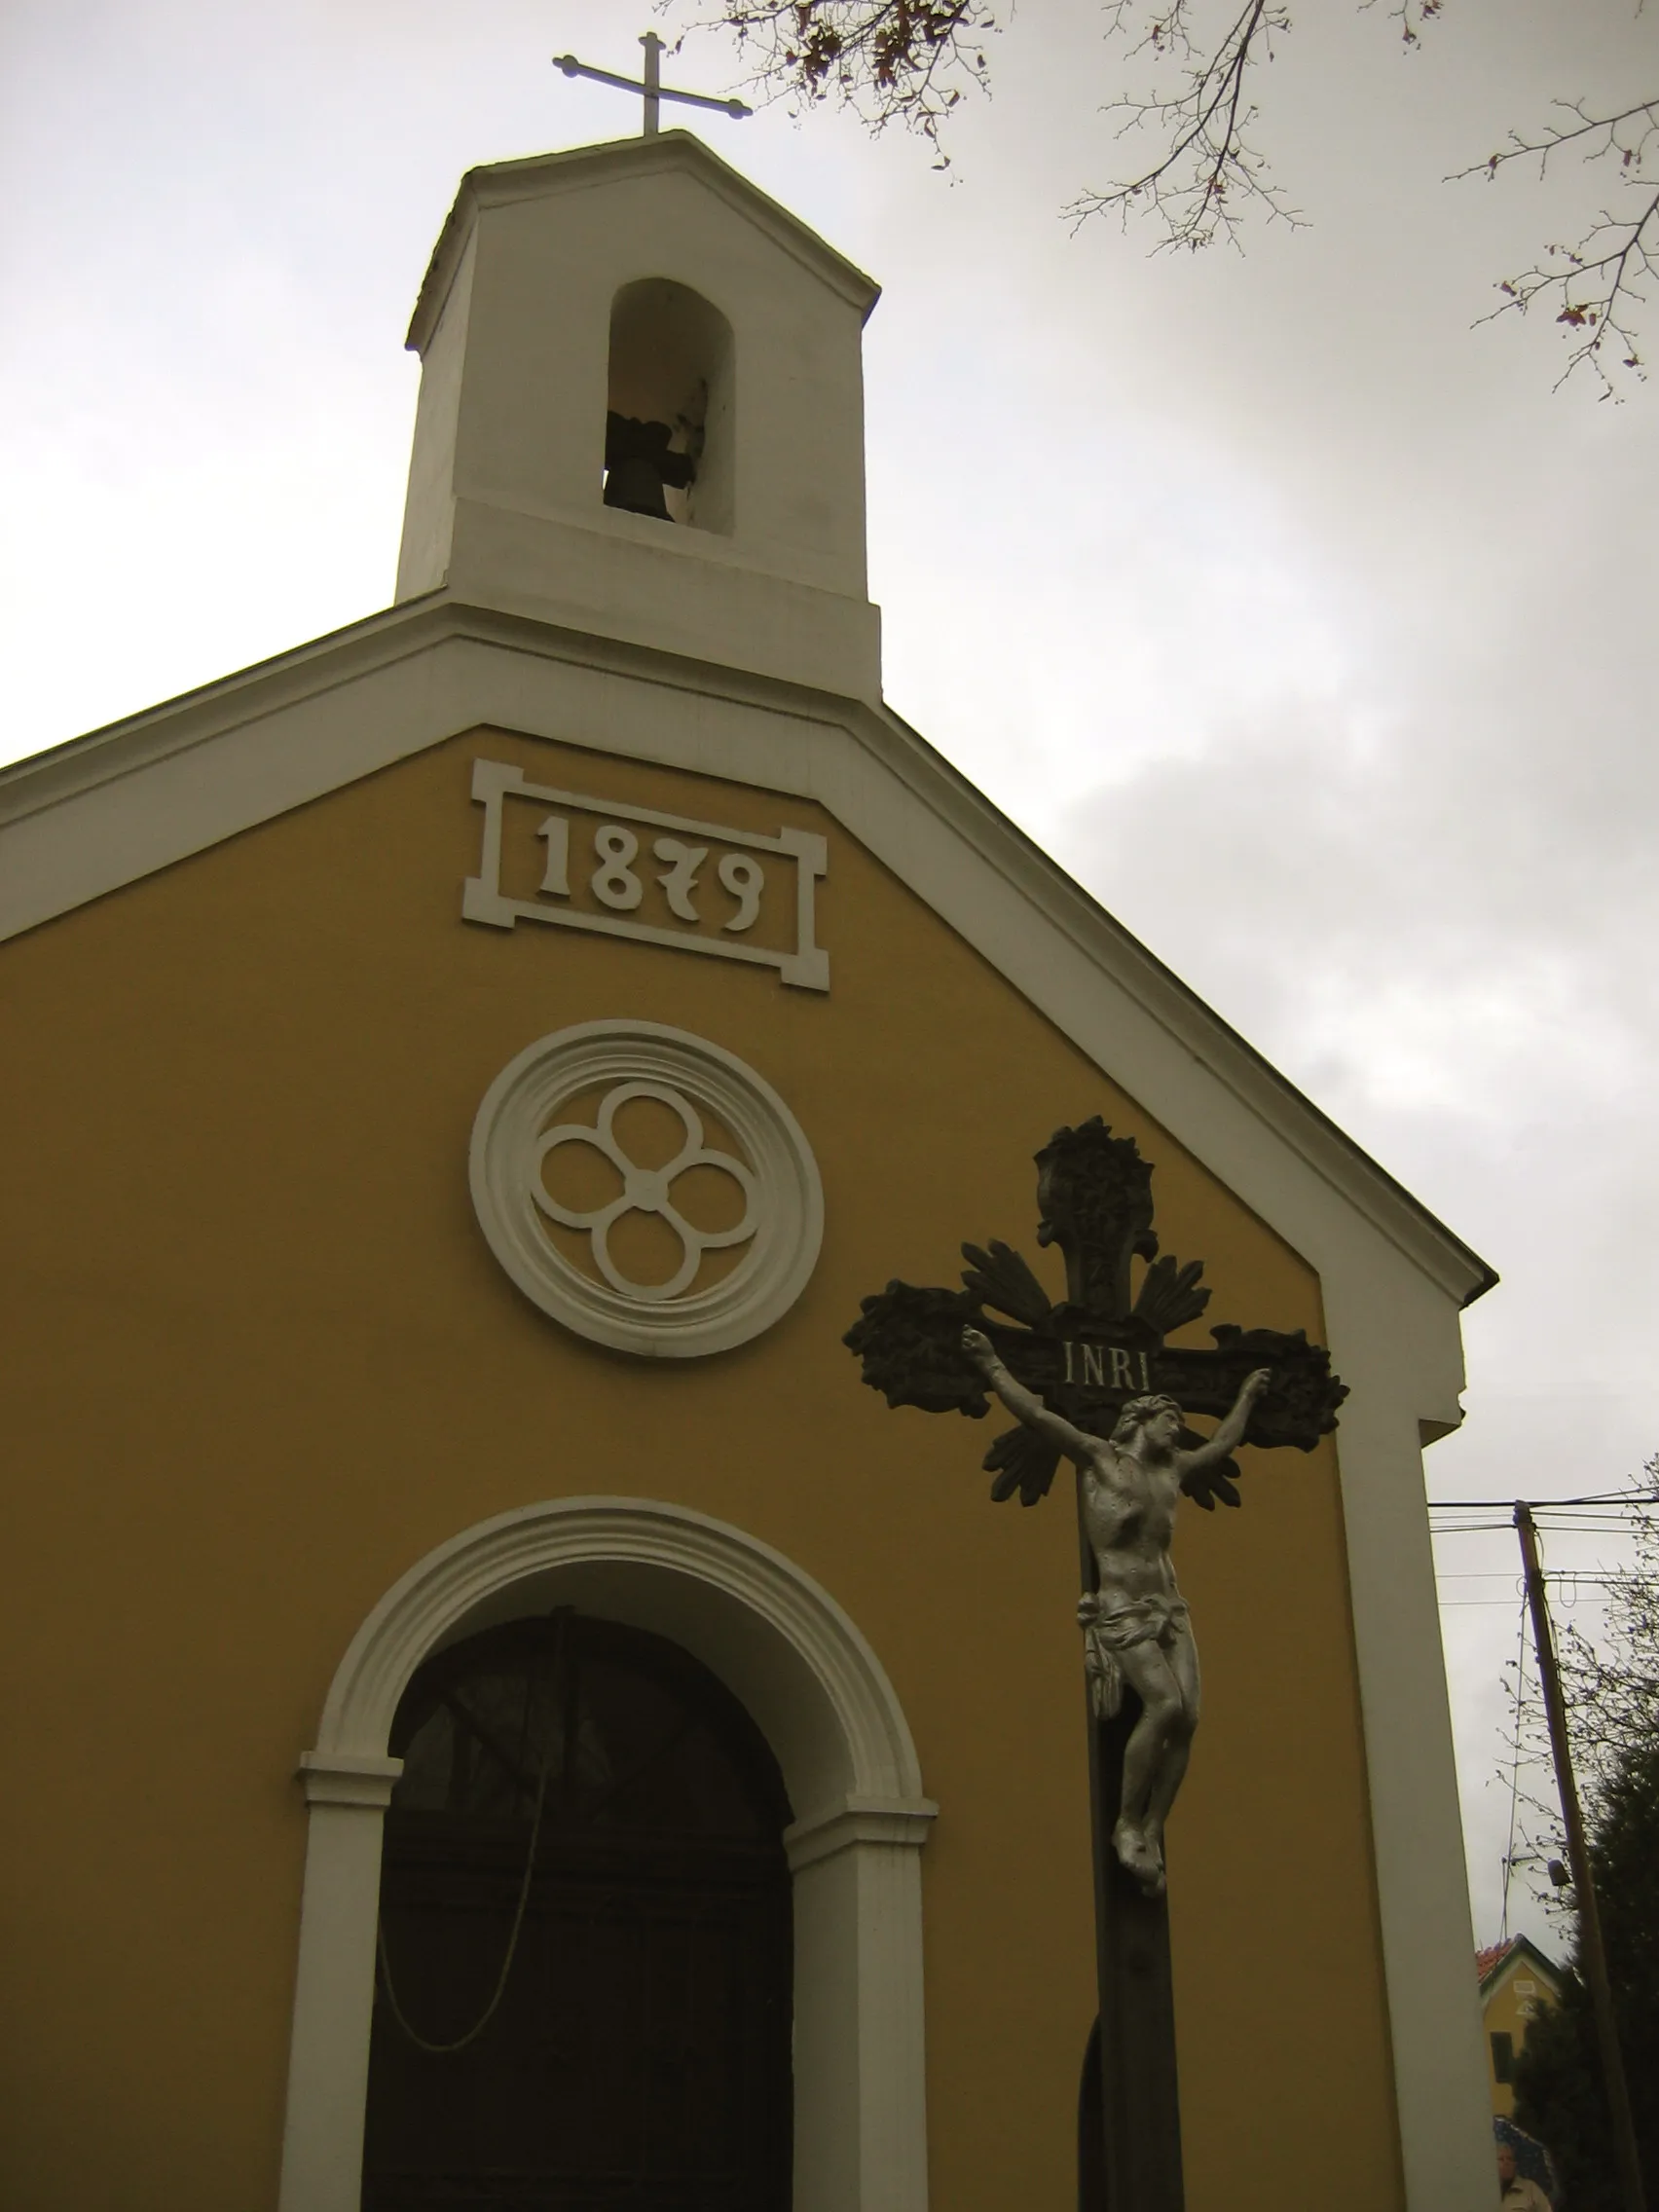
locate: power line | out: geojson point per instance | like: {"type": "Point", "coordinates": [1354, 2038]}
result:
{"type": "Point", "coordinates": [1624, 1501]}
{"type": "Point", "coordinates": [1568, 1582]}
{"type": "Point", "coordinates": [1499, 1604]}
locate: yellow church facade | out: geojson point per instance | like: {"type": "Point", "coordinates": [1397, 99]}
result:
{"type": "Point", "coordinates": [313, 1388]}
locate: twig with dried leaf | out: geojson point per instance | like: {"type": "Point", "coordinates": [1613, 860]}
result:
{"type": "Point", "coordinates": [910, 61]}
{"type": "Point", "coordinates": [1598, 286]}
{"type": "Point", "coordinates": [889, 60]}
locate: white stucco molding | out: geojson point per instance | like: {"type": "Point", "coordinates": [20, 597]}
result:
{"type": "Point", "coordinates": [859, 1821]}
{"type": "Point", "coordinates": [353, 1779]}
{"type": "Point", "coordinates": [821, 1696]}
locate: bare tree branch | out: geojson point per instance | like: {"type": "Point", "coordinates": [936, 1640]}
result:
{"type": "Point", "coordinates": [1208, 172]}
{"type": "Point", "coordinates": [1600, 286]}
{"type": "Point", "coordinates": [910, 61]}
{"type": "Point", "coordinates": [889, 60]}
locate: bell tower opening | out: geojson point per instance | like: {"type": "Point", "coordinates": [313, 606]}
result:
{"type": "Point", "coordinates": [669, 428]}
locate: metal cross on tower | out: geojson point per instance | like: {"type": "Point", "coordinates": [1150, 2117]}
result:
{"type": "Point", "coordinates": [1083, 1359]}
{"type": "Point", "coordinates": [653, 87]}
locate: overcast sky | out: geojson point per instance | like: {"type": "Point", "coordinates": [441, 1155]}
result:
{"type": "Point", "coordinates": [1295, 617]}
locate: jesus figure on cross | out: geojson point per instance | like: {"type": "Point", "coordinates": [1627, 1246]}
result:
{"type": "Point", "coordinates": [1134, 1622]}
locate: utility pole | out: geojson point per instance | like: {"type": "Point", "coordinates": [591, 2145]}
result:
{"type": "Point", "coordinates": [1592, 1956]}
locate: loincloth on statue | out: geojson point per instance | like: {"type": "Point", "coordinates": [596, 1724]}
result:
{"type": "Point", "coordinates": [1112, 1624]}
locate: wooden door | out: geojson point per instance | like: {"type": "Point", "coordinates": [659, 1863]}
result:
{"type": "Point", "coordinates": [638, 2056]}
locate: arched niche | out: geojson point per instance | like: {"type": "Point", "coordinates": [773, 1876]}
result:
{"type": "Point", "coordinates": [819, 1696]}
{"type": "Point", "coordinates": [672, 362]}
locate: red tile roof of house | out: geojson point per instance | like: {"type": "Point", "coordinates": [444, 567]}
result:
{"type": "Point", "coordinates": [1487, 1961]}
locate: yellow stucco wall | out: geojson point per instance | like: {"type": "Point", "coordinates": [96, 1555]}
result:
{"type": "Point", "coordinates": [263, 1361]}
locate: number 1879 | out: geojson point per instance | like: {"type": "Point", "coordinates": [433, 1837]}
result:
{"type": "Point", "coordinates": [614, 882]}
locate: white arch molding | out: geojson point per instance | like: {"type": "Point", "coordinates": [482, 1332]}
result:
{"type": "Point", "coordinates": [817, 1690]}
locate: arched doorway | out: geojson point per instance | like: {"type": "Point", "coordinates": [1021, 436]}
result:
{"type": "Point", "coordinates": [795, 1661]}
{"type": "Point", "coordinates": [586, 1806]}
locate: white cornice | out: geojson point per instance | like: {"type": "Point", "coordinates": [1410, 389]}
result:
{"type": "Point", "coordinates": [85, 818]}
{"type": "Point", "coordinates": [359, 1780]}
{"type": "Point", "coordinates": [845, 1828]}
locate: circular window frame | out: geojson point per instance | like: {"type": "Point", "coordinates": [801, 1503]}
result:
{"type": "Point", "coordinates": [503, 1162]}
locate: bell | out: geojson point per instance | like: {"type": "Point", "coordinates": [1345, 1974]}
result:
{"type": "Point", "coordinates": [636, 486]}
{"type": "Point", "coordinates": [638, 464]}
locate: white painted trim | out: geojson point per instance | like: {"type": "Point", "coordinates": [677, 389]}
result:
{"type": "Point", "coordinates": [873, 1820]}
{"type": "Point", "coordinates": [818, 1691]}
{"type": "Point", "coordinates": [332, 1778]}
{"type": "Point", "coordinates": [123, 802]}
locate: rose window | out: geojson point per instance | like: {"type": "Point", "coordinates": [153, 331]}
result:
{"type": "Point", "coordinates": [645, 1188]}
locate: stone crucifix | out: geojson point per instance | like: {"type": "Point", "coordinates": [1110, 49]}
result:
{"type": "Point", "coordinates": [1135, 1624]}
{"type": "Point", "coordinates": [1092, 1378]}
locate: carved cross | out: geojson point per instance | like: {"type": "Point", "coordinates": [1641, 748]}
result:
{"type": "Point", "coordinates": [1100, 1346]}
{"type": "Point", "coordinates": [1086, 1356]}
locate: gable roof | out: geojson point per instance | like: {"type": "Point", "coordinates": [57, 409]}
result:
{"type": "Point", "coordinates": [124, 802]}
{"type": "Point", "coordinates": [1492, 1964]}
{"type": "Point", "coordinates": [543, 175]}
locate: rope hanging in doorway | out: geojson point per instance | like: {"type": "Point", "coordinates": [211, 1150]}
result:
{"type": "Point", "coordinates": [383, 1963]}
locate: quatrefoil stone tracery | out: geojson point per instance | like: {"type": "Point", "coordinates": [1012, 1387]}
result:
{"type": "Point", "coordinates": [732, 1124]}
{"type": "Point", "coordinates": [646, 1190]}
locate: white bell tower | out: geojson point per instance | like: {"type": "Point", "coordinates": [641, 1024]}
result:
{"type": "Point", "coordinates": [599, 323]}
